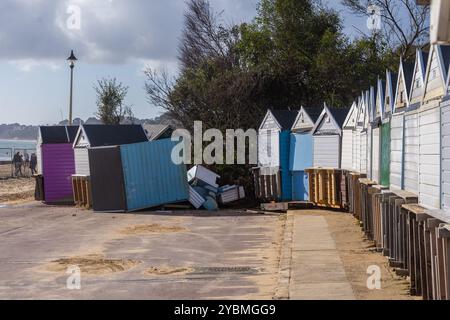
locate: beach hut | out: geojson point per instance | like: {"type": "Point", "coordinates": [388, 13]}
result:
{"type": "Point", "coordinates": [327, 133]}
{"type": "Point", "coordinates": [348, 140]}
{"type": "Point", "coordinates": [376, 128]}
{"type": "Point", "coordinates": [371, 118]}
{"type": "Point", "coordinates": [445, 149]}
{"type": "Point", "coordinates": [90, 136]}
{"type": "Point", "coordinates": [136, 176]}
{"type": "Point", "coordinates": [402, 129]}
{"type": "Point", "coordinates": [56, 162]}
{"type": "Point", "coordinates": [357, 140]}
{"type": "Point", "coordinates": [429, 149]}
{"type": "Point", "coordinates": [385, 130]}
{"type": "Point", "coordinates": [361, 132]}
{"type": "Point", "coordinates": [274, 146]}
{"type": "Point", "coordinates": [301, 151]}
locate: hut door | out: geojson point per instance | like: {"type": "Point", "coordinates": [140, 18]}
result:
{"type": "Point", "coordinates": [385, 154]}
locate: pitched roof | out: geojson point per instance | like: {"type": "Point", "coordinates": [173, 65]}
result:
{"type": "Point", "coordinates": [285, 118]}
{"type": "Point", "coordinates": [111, 135]}
{"type": "Point", "coordinates": [424, 58]}
{"type": "Point", "coordinates": [339, 114]}
{"type": "Point", "coordinates": [445, 57]}
{"type": "Point", "coordinates": [154, 131]}
{"type": "Point", "coordinates": [313, 113]}
{"type": "Point", "coordinates": [58, 134]}
{"type": "Point", "coordinates": [408, 72]}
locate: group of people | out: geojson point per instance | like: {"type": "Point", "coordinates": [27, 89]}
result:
{"type": "Point", "coordinates": [24, 161]}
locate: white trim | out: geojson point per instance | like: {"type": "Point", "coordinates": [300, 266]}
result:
{"type": "Point", "coordinates": [443, 72]}
{"type": "Point", "coordinates": [265, 119]}
{"type": "Point", "coordinates": [326, 111]}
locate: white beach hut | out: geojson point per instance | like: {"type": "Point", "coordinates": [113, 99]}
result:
{"type": "Point", "coordinates": [429, 127]}
{"type": "Point", "coordinates": [348, 130]}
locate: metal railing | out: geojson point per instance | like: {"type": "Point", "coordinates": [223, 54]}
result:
{"type": "Point", "coordinates": [11, 169]}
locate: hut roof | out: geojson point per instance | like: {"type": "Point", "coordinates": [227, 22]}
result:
{"type": "Point", "coordinates": [285, 118]}
{"type": "Point", "coordinates": [109, 135]}
{"type": "Point", "coordinates": [58, 134]}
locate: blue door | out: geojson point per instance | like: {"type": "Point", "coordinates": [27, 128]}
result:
{"type": "Point", "coordinates": [300, 186]}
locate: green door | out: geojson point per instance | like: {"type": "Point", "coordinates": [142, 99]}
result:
{"type": "Point", "coordinates": [385, 154]}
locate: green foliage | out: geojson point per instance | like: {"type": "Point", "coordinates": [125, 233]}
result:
{"type": "Point", "coordinates": [110, 101]}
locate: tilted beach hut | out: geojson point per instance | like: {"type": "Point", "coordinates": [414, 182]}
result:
{"type": "Point", "coordinates": [301, 151]}
{"type": "Point", "coordinates": [429, 121]}
{"type": "Point", "coordinates": [90, 136]}
{"type": "Point", "coordinates": [56, 162]}
{"type": "Point", "coordinates": [327, 134]}
{"type": "Point", "coordinates": [348, 130]}
{"type": "Point", "coordinates": [403, 160]}
{"type": "Point", "coordinates": [274, 136]}
{"type": "Point", "coordinates": [136, 176]}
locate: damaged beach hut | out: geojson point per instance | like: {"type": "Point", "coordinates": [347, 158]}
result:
{"type": "Point", "coordinates": [136, 176]}
{"type": "Point", "coordinates": [56, 163]}
{"type": "Point", "coordinates": [301, 151]}
{"type": "Point", "coordinates": [91, 136]}
{"type": "Point", "coordinates": [273, 178]}
{"type": "Point", "coordinates": [327, 133]}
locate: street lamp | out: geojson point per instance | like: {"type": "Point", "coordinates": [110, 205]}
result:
{"type": "Point", "coordinates": [72, 59]}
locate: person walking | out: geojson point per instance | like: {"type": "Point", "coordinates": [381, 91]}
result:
{"type": "Point", "coordinates": [33, 164]}
{"type": "Point", "coordinates": [16, 164]}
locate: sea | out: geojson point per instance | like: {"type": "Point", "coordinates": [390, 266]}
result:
{"type": "Point", "coordinates": [9, 147]}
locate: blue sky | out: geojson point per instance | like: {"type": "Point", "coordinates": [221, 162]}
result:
{"type": "Point", "coordinates": [116, 38]}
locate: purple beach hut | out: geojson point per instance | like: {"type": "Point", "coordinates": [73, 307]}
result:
{"type": "Point", "coordinates": [56, 162]}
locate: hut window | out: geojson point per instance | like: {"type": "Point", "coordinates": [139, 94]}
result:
{"type": "Point", "coordinates": [434, 73]}
{"type": "Point", "coordinates": [418, 83]}
{"type": "Point", "coordinates": [327, 119]}
{"type": "Point", "coordinates": [401, 97]}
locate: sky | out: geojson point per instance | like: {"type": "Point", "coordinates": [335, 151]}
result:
{"type": "Point", "coordinates": [111, 38]}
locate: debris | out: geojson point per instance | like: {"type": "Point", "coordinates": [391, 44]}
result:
{"type": "Point", "coordinates": [202, 174]}
{"type": "Point", "coordinates": [211, 204]}
{"type": "Point", "coordinates": [229, 194]}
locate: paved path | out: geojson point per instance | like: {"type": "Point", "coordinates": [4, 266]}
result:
{"type": "Point", "coordinates": [317, 270]}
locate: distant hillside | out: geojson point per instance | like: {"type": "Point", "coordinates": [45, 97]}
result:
{"type": "Point", "coordinates": [17, 131]}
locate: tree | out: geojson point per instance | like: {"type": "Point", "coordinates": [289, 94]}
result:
{"type": "Point", "coordinates": [404, 23]}
{"type": "Point", "coordinates": [110, 101]}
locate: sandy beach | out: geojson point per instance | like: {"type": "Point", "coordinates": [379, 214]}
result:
{"type": "Point", "coordinates": [13, 191]}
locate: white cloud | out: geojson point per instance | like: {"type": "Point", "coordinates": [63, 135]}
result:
{"type": "Point", "coordinates": [34, 32]}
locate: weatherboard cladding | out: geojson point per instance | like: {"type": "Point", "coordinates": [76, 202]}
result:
{"type": "Point", "coordinates": [429, 158]}
{"type": "Point", "coordinates": [445, 162]}
{"type": "Point", "coordinates": [151, 178]}
{"type": "Point", "coordinates": [396, 163]}
{"type": "Point", "coordinates": [376, 154]}
{"type": "Point", "coordinates": [58, 165]}
{"type": "Point", "coordinates": [301, 153]}
{"type": "Point", "coordinates": [347, 149]}
{"type": "Point", "coordinates": [411, 153]}
{"type": "Point", "coordinates": [82, 161]}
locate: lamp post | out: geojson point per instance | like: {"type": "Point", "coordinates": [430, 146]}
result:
{"type": "Point", "coordinates": [72, 59]}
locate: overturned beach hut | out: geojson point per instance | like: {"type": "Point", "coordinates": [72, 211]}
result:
{"type": "Point", "coordinates": [327, 133]}
{"type": "Point", "coordinates": [56, 162]}
{"type": "Point", "coordinates": [429, 127]}
{"type": "Point", "coordinates": [91, 136]}
{"type": "Point", "coordinates": [274, 146]}
{"type": "Point", "coordinates": [137, 176]}
{"type": "Point", "coordinates": [301, 151]}
{"type": "Point", "coordinates": [348, 130]}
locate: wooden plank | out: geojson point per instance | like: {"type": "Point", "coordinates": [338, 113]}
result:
{"type": "Point", "coordinates": [275, 206]}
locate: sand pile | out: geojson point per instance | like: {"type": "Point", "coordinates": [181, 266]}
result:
{"type": "Point", "coordinates": [167, 271]}
{"type": "Point", "coordinates": [150, 229]}
{"type": "Point", "coordinates": [93, 264]}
